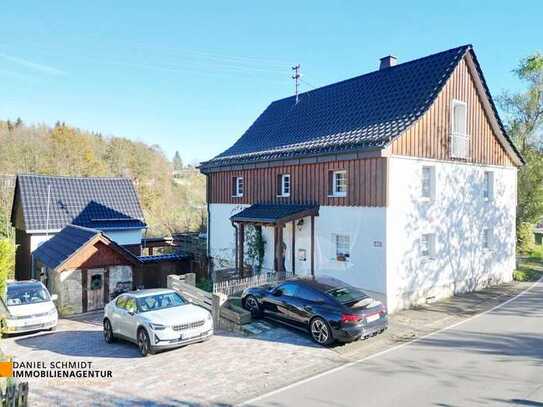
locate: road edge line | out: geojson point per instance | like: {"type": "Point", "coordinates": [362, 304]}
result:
{"type": "Point", "coordinates": [389, 350]}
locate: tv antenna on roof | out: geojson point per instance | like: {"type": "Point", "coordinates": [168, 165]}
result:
{"type": "Point", "coordinates": [297, 75]}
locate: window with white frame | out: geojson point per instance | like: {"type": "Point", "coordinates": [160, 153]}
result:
{"type": "Point", "coordinates": [487, 238]}
{"type": "Point", "coordinates": [459, 136]}
{"type": "Point", "coordinates": [284, 185]}
{"type": "Point", "coordinates": [488, 186]}
{"type": "Point", "coordinates": [237, 186]}
{"type": "Point", "coordinates": [428, 182]}
{"type": "Point", "coordinates": [343, 247]}
{"type": "Point", "coordinates": [338, 183]}
{"type": "Point", "coordinates": [428, 245]}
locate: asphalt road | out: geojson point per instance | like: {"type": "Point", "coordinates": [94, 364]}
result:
{"type": "Point", "coordinates": [494, 359]}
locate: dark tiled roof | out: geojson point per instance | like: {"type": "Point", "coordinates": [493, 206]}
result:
{"type": "Point", "coordinates": [272, 213]}
{"type": "Point", "coordinates": [96, 202]}
{"type": "Point", "coordinates": [55, 251]}
{"type": "Point", "coordinates": [164, 257]}
{"type": "Point", "coordinates": [60, 247]}
{"type": "Point", "coordinates": [358, 114]}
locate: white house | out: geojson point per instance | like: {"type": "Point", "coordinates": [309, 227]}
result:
{"type": "Point", "coordinates": [401, 181]}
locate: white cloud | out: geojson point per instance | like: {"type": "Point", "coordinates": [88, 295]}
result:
{"type": "Point", "coordinates": [32, 65]}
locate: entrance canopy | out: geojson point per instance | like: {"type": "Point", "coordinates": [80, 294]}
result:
{"type": "Point", "coordinates": [274, 214]}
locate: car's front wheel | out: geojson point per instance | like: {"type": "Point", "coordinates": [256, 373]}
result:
{"type": "Point", "coordinates": [252, 305]}
{"type": "Point", "coordinates": [321, 332]}
{"type": "Point", "coordinates": [144, 344]}
{"type": "Point", "coordinates": [108, 332]}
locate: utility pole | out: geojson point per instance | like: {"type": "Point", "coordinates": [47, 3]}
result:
{"type": "Point", "coordinates": [297, 75]}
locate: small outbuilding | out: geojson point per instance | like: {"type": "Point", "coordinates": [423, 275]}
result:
{"type": "Point", "coordinates": [84, 267]}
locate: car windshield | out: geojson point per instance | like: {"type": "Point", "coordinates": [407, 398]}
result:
{"type": "Point", "coordinates": [159, 301]}
{"type": "Point", "coordinates": [347, 294]}
{"type": "Point", "coordinates": [23, 294]}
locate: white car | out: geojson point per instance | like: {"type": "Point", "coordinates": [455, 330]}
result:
{"type": "Point", "coordinates": [30, 306]}
{"type": "Point", "coordinates": [156, 319]}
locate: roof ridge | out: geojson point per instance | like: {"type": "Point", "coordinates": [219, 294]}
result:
{"type": "Point", "coordinates": [72, 176]}
{"type": "Point", "coordinates": [95, 231]}
{"type": "Point", "coordinates": [466, 47]}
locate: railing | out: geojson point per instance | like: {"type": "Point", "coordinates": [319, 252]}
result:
{"type": "Point", "coordinates": [185, 285]}
{"type": "Point", "coordinates": [459, 145]}
{"type": "Point", "coordinates": [236, 286]}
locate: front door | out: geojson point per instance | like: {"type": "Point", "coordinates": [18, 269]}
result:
{"type": "Point", "coordinates": [95, 289]}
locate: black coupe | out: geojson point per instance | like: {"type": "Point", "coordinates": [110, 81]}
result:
{"type": "Point", "coordinates": [329, 309]}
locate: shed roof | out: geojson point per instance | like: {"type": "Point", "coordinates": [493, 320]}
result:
{"type": "Point", "coordinates": [274, 214]}
{"type": "Point", "coordinates": [95, 202]}
{"type": "Point", "coordinates": [56, 251]}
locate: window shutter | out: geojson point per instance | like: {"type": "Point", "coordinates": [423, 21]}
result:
{"type": "Point", "coordinates": [234, 186]}
{"type": "Point", "coordinates": [278, 179]}
{"type": "Point", "coordinates": [330, 182]}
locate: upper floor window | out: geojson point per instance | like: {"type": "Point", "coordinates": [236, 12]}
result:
{"type": "Point", "coordinates": [237, 186]}
{"type": "Point", "coordinates": [459, 136]}
{"type": "Point", "coordinates": [487, 238]}
{"type": "Point", "coordinates": [428, 245]}
{"type": "Point", "coordinates": [428, 182]}
{"type": "Point", "coordinates": [338, 183]}
{"type": "Point", "coordinates": [488, 186]}
{"type": "Point", "coordinates": [283, 185]}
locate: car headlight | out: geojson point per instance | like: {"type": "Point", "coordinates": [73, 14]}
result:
{"type": "Point", "coordinates": [208, 317]}
{"type": "Point", "coordinates": [52, 312]}
{"type": "Point", "coordinates": [157, 327]}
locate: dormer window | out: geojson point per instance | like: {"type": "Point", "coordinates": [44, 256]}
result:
{"type": "Point", "coordinates": [459, 136]}
{"type": "Point", "coordinates": [237, 187]}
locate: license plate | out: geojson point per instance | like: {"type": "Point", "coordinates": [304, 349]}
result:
{"type": "Point", "coordinates": [371, 318]}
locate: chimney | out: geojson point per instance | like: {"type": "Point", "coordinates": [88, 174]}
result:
{"type": "Point", "coordinates": [387, 62]}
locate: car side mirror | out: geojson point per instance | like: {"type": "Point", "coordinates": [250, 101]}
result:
{"type": "Point", "coordinates": [278, 293]}
{"type": "Point", "coordinates": [54, 297]}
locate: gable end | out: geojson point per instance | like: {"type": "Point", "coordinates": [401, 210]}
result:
{"type": "Point", "coordinates": [430, 135]}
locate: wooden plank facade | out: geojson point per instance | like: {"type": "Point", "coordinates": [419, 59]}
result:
{"type": "Point", "coordinates": [309, 184]}
{"type": "Point", "coordinates": [429, 137]}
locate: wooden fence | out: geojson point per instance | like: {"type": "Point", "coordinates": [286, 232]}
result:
{"type": "Point", "coordinates": [185, 285]}
{"type": "Point", "coordinates": [225, 314]}
{"type": "Point", "coordinates": [235, 286]}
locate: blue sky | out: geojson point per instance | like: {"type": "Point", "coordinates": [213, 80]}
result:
{"type": "Point", "coordinates": [192, 76]}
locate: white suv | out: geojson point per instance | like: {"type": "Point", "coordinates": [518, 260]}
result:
{"type": "Point", "coordinates": [156, 319]}
{"type": "Point", "coordinates": [30, 306]}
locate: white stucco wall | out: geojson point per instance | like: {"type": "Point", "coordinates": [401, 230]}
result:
{"type": "Point", "coordinates": [37, 240]}
{"type": "Point", "coordinates": [364, 226]}
{"type": "Point", "coordinates": [457, 215]}
{"type": "Point", "coordinates": [122, 237]}
{"type": "Point", "coordinates": [125, 237]}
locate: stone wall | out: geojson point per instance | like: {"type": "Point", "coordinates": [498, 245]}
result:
{"type": "Point", "coordinates": [67, 285]}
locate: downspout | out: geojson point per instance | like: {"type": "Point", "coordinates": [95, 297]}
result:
{"type": "Point", "coordinates": [236, 243]}
{"type": "Point", "coordinates": [208, 201]}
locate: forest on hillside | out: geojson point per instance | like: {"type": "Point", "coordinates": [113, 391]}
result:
{"type": "Point", "coordinates": [172, 195]}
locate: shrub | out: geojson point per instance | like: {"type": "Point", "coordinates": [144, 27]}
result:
{"type": "Point", "coordinates": [525, 238]}
{"type": "Point", "coordinates": [527, 275]}
{"type": "Point", "coordinates": [537, 252]}
{"type": "Point", "coordinates": [205, 284]}
{"type": "Point", "coordinates": [7, 263]}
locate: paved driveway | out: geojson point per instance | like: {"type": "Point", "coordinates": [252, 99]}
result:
{"type": "Point", "coordinates": [227, 367]}
{"type": "Point", "coordinates": [223, 371]}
